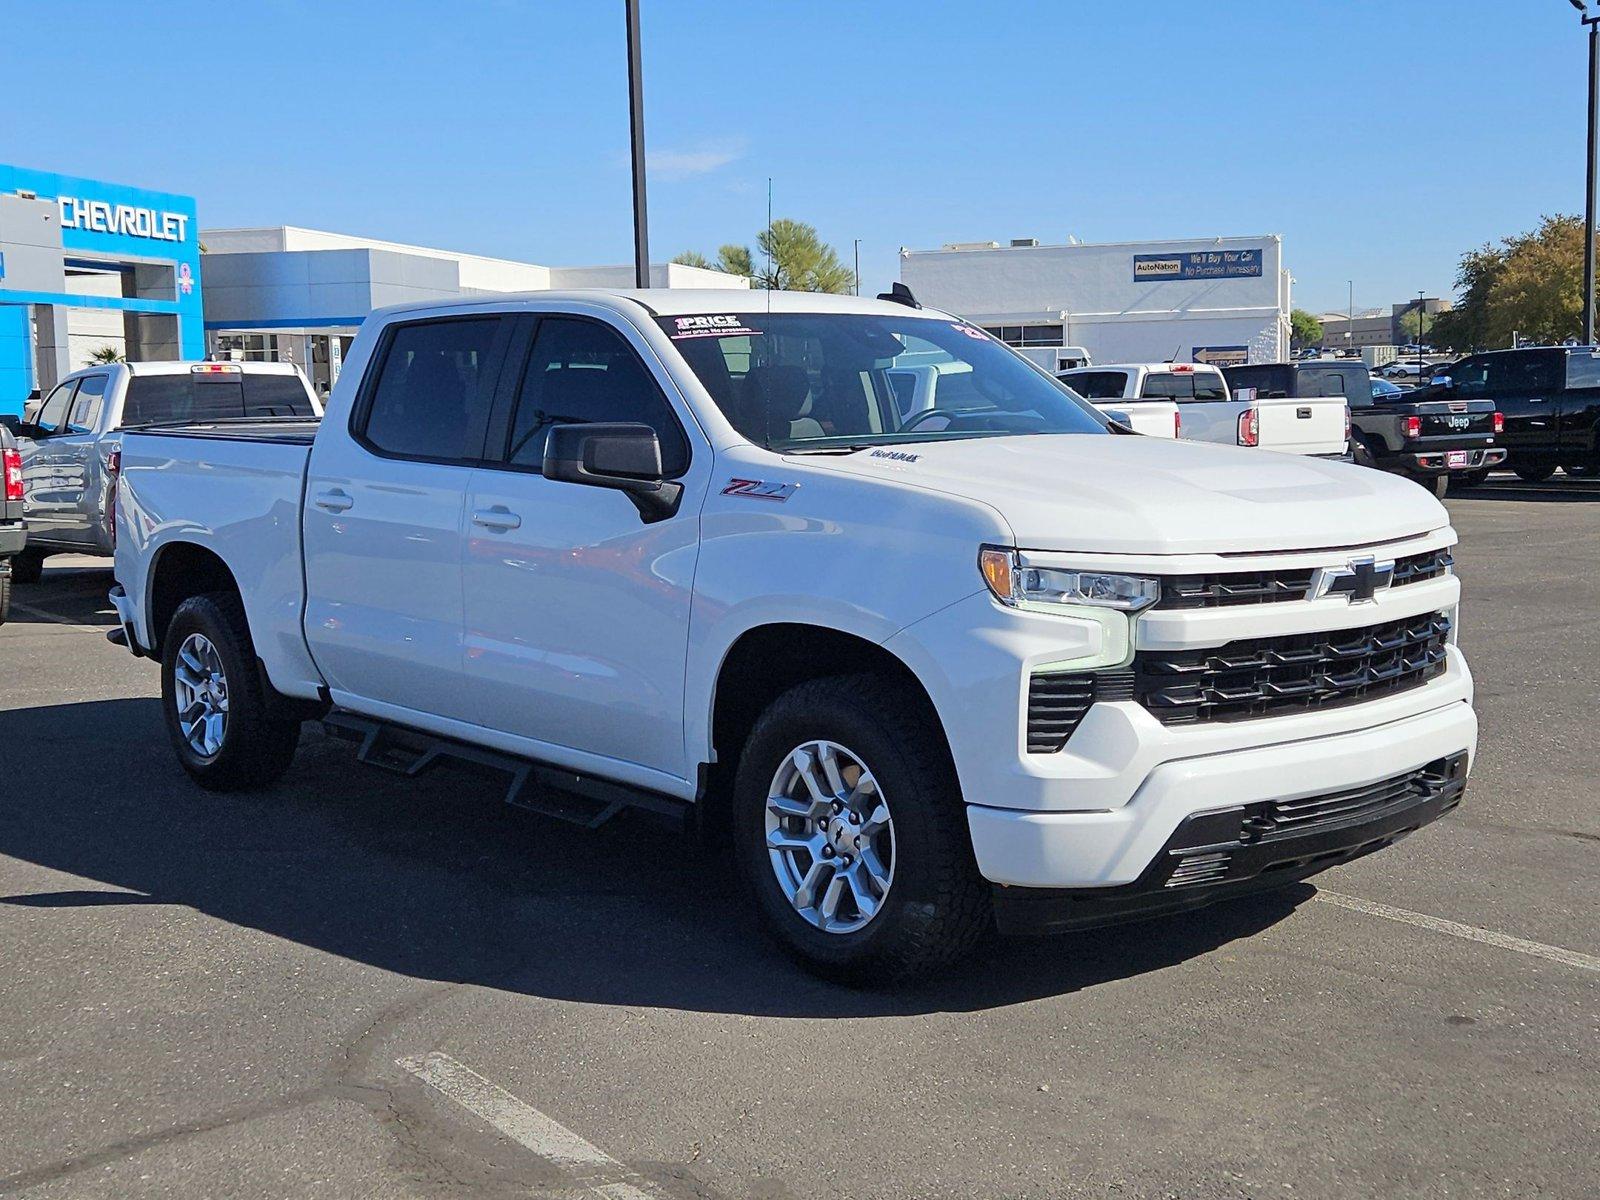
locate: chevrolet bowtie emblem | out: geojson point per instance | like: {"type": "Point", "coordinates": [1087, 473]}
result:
{"type": "Point", "coordinates": [1361, 579]}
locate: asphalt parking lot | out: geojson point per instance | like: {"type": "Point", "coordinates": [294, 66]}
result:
{"type": "Point", "coordinates": [354, 985]}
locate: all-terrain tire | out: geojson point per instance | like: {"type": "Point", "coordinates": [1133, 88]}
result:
{"type": "Point", "coordinates": [937, 907]}
{"type": "Point", "coordinates": [256, 745]}
{"type": "Point", "coordinates": [27, 566]}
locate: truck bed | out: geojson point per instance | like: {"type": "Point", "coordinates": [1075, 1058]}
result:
{"type": "Point", "coordinates": [291, 431]}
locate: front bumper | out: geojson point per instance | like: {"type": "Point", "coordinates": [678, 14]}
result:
{"type": "Point", "coordinates": [1235, 851]}
{"type": "Point", "coordinates": [1114, 847]}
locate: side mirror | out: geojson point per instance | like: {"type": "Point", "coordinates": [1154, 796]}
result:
{"type": "Point", "coordinates": [623, 457]}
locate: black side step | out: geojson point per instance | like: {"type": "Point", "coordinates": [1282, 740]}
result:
{"type": "Point", "coordinates": [541, 788]}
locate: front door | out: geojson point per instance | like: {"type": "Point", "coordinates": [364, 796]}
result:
{"type": "Point", "coordinates": [47, 496]}
{"type": "Point", "coordinates": [577, 611]}
{"type": "Point", "coordinates": [1524, 386]}
{"type": "Point", "coordinates": [384, 518]}
{"type": "Point", "coordinates": [75, 451]}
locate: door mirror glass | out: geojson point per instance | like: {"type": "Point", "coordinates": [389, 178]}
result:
{"type": "Point", "coordinates": [625, 457]}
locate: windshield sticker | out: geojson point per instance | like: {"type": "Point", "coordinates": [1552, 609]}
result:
{"type": "Point", "coordinates": [757, 489]}
{"type": "Point", "coordinates": [896, 455]}
{"type": "Point", "coordinates": [711, 325]}
{"type": "Point", "coordinates": [976, 334]}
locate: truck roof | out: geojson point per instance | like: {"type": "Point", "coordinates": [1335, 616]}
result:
{"type": "Point", "coordinates": [1178, 368]}
{"type": "Point", "coordinates": [184, 366]}
{"type": "Point", "coordinates": [674, 302]}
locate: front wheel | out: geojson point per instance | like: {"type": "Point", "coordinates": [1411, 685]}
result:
{"type": "Point", "coordinates": [1584, 470]}
{"type": "Point", "coordinates": [214, 700]}
{"type": "Point", "coordinates": [851, 834]}
{"type": "Point", "coordinates": [1535, 472]}
{"type": "Point", "coordinates": [5, 593]}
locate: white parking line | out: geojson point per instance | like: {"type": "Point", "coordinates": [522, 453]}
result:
{"type": "Point", "coordinates": [56, 618]}
{"type": "Point", "coordinates": [522, 1123]}
{"type": "Point", "coordinates": [1471, 933]}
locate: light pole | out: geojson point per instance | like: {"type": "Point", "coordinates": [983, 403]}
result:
{"type": "Point", "coordinates": [1422, 309]}
{"type": "Point", "coordinates": [1593, 22]}
{"type": "Point", "coordinates": [641, 236]}
{"type": "Point", "coordinates": [858, 266]}
{"type": "Point", "coordinates": [1350, 317]}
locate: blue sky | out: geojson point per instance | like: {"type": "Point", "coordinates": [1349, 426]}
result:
{"type": "Point", "coordinates": [1381, 139]}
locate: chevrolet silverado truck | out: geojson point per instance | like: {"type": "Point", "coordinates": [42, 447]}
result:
{"type": "Point", "coordinates": [70, 443]}
{"type": "Point", "coordinates": [995, 663]}
{"type": "Point", "coordinates": [1208, 412]}
{"type": "Point", "coordinates": [1425, 435]}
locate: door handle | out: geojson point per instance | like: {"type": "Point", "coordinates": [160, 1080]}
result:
{"type": "Point", "coordinates": [335, 500]}
{"type": "Point", "coordinates": [499, 518]}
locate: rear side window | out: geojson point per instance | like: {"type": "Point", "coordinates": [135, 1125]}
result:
{"type": "Point", "coordinates": [581, 372]}
{"type": "Point", "coordinates": [433, 390]}
{"type": "Point", "coordinates": [164, 399]}
{"type": "Point", "coordinates": [1583, 370]}
{"type": "Point", "coordinates": [1209, 386]}
{"type": "Point", "coordinates": [1097, 385]}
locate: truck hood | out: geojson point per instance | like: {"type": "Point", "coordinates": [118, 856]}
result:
{"type": "Point", "coordinates": [1139, 495]}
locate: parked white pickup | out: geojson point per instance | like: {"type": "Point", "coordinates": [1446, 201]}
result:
{"type": "Point", "coordinates": [917, 669]}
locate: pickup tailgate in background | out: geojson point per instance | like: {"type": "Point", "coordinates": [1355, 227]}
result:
{"type": "Point", "coordinates": [1309, 425]}
{"type": "Point", "coordinates": [1455, 418]}
{"type": "Point", "coordinates": [233, 491]}
{"type": "Point", "coordinates": [1154, 418]}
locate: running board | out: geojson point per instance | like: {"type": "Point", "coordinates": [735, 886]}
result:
{"type": "Point", "coordinates": [538, 787]}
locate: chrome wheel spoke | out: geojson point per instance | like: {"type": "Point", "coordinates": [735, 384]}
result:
{"type": "Point", "coordinates": [805, 896]}
{"type": "Point", "coordinates": [876, 821]}
{"type": "Point", "coordinates": [200, 695]}
{"type": "Point", "coordinates": [872, 868]}
{"type": "Point", "coordinates": [866, 900]}
{"type": "Point", "coordinates": [829, 905]}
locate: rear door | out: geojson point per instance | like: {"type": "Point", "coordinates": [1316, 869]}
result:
{"type": "Point", "coordinates": [383, 519]}
{"type": "Point", "coordinates": [1525, 387]}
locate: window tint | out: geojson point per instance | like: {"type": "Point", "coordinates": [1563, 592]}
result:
{"type": "Point", "coordinates": [1471, 376]}
{"type": "Point", "coordinates": [433, 389]}
{"type": "Point", "coordinates": [1583, 369]}
{"type": "Point", "coordinates": [53, 412]}
{"type": "Point", "coordinates": [582, 372]}
{"type": "Point", "coordinates": [1522, 372]}
{"type": "Point", "coordinates": [1209, 386]}
{"type": "Point", "coordinates": [86, 408]}
{"type": "Point", "coordinates": [1321, 383]}
{"type": "Point", "coordinates": [1097, 385]}
{"type": "Point", "coordinates": [166, 399]}
{"type": "Point", "coordinates": [1162, 385]}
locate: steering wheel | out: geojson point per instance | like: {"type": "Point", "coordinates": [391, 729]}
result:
{"type": "Point", "coordinates": [950, 414]}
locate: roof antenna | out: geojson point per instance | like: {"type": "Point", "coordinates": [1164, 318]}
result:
{"type": "Point", "coordinates": [899, 293]}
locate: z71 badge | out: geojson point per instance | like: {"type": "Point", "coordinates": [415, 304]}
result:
{"type": "Point", "coordinates": [758, 489]}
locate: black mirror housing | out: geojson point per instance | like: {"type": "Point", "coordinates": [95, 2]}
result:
{"type": "Point", "coordinates": [625, 457]}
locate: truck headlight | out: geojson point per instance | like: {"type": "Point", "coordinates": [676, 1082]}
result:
{"type": "Point", "coordinates": [1020, 584]}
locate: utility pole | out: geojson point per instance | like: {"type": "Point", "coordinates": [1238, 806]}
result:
{"type": "Point", "coordinates": [1422, 310]}
{"type": "Point", "coordinates": [1588, 187]}
{"type": "Point", "coordinates": [1350, 318]}
{"type": "Point", "coordinates": [858, 266]}
{"type": "Point", "coordinates": [641, 236]}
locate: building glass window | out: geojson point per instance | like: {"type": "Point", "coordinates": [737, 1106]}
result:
{"type": "Point", "coordinates": [248, 347]}
{"type": "Point", "coordinates": [1028, 335]}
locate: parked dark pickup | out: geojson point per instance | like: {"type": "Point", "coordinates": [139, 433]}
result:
{"type": "Point", "coordinates": [1550, 397]}
{"type": "Point", "coordinates": [13, 531]}
{"type": "Point", "coordinates": [1425, 434]}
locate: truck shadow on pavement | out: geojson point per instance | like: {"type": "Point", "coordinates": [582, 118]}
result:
{"type": "Point", "coordinates": [436, 879]}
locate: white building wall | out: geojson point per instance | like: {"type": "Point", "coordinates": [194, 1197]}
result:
{"type": "Point", "coordinates": [1092, 290]}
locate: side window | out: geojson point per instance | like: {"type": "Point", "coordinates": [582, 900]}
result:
{"type": "Point", "coordinates": [52, 416]}
{"type": "Point", "coordinates": [1097, 385]}
{"type": "Point", "coordinates": [433, 389]}
{"type": "Point", "coordinates": [581, 372]}
{"type": "Point", "coordinates": [1583, 369]}
{"type": "Point", "coordinates": [1471, 377]}
{"type": "Point", "coordinates": [1208, 385]}
{"type": "Point", "coordinates": [1321, 383]}
{"type": "Point", "coordinates": [86, 409]}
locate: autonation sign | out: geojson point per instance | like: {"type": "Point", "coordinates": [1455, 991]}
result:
{"type": "Point", "coordinates": [100, 216]}
{"type": "Point", "coordinates": [1200, 264]}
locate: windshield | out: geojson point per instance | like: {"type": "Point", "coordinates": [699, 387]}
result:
{"type": "Point", "coordinates": [819, 381]}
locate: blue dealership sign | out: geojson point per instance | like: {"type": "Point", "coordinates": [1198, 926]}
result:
{"type": "Point", "coordinates": [1197, 264]}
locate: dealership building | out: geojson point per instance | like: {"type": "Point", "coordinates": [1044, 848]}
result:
{"type": "Point", "coordinates": [87, 265]}
{"type": "Point", "coordinates": [1221, 300]}
{"type": "Point", "coordinates": [285, 294]}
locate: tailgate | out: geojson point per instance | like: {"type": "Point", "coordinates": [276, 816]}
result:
{"type": "Point", "coordinates": [1308, 425]}
{"type": "Point", "coordinates": [1456, 418]}
{"type": "Point", "coordinates": [1153, 418]}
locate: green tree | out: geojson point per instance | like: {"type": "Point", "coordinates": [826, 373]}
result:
{"type": "Point", "coordinates": [793, 258]}
{"type": "Point", "coordinates": [1417, 324]}
{"type": "Point", "coordinates": [1530, 284]}
{"type": "Point", "coordinates": [103, 354]}
{"type": "Point", "coordinates": [1304, 329]}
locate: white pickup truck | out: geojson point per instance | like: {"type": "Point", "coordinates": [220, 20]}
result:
{"type": "Point", "coordinates": [992, 663]}
{"type": "Point", "coordinates": [1209, 412]}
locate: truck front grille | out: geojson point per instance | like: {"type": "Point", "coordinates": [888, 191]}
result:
{"type": "Point", "coordinates": [1271, 676]}
{"type": "Point", "coordinates": [1227, 589]}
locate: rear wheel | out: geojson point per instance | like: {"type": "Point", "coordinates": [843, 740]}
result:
{"type": "Point", "coordinates": [5, 593]}
{"type": "Point", "coordinates": [27, 565]}
{"type": "Point", "coordinates": [1586, 470]}
{"type": "Point", "coordinates": [1536, 472]}
{"type": "Point", "coordinates": [1438, 484]}
{"type": "Point", "coordinates": [851, 834]}
{"type": "Point", "coordinates": [1361, 454]}
{"type": "Point", "coordinates": [214, 699]}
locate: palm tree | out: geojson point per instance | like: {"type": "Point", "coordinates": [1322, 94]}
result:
{"type": "Point", "coordinates": [104, 354]}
